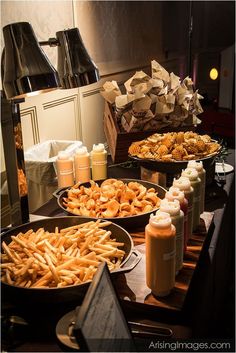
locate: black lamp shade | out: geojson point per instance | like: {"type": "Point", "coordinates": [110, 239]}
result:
{"type": "Point", "coordinates": [26, 68]}
{"type": "Point", "coordinates": [75, 67]}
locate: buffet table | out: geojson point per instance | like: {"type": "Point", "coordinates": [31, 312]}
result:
{"type": "Point", "coordinates": [198, 301]}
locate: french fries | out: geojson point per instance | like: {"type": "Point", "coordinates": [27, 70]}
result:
{"type": "Point", "coordinates": [70, 256]}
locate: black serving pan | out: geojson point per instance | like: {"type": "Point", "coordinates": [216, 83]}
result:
{"type": "Point", "coordinates": [126, 222]}
{"type": "Point", "coordinates": [72, 292]}
{"type": "Point", "coordinates": [174, 167]}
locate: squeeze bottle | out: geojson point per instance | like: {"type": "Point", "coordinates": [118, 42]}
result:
{"type": "Point", "coordinates": [176, 194]}
{"type": "Point", "coordinates": [99, 162]}
{"type": "Point", "coordinates": [177, 219]}
{"type": "Point", "coordinates": [202, 175]}
{"type": "Point", "coordinates": [82, 165]}
{"type": "Point", "coordinates": [184, 185]}
{"type": "Point", "coordinates": [160, 254]}
{"type": "Point", "coordinates": [64, 167]}
{"type": "Point", "coordinates": [195, 181]}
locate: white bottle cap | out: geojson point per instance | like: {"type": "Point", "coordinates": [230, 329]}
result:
{"type": "Point", "coordinates": [196, 165]}
{"type": "Point", "coordinates": [171, 207]}
{"type": "Point", "coordinates": [81, 150]}
{"type": "Point", "coordinates": [99, 148]}
{"type": "Point", "coordinates": [174, 194]}
{"type": "Point", "coordinates": [63, 155]}
{"type": "Point", "coordinates": [190, 173]}
{"type": "Point", "coordinates": [160, 220]}
{"type": "Point", "coordinates": [71, 148]}
{"type": "Point", "coordinates": [182, 183]}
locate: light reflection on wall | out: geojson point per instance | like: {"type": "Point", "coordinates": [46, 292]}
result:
{"type": "Point", "coordinates": [120, 35]}
{"type": "Point", "coordinates": [195, 69]}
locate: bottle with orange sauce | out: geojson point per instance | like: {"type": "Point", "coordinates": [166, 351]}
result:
{"type": "Point", "coordinates": [82, 165]}
{"type": "Point", "coordinates": [177, 219]}
{"type": "Point", "coordinates": [176, 194]}
{"type": "Point", "coordinates": [99, 162]}
{"type": "Point", "coordinates": [184, 185]}
{"type": "Point", "coordinates": [202, 175]}
{"type": "Point", "coordinates": [195, 181]}
{"type": "Point", "coordinates": [160, 254]}
{"type": "Point", "coordinates": [64, 167]}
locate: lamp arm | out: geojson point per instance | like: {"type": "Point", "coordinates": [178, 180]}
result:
{"type": "Point", "coordinates": [52, 42]}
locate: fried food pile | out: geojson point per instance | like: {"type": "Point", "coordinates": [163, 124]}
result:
{"type": "Point", "coordinates": [113, 198]}
{"type": "Point", "coordinates": [70, 256]}
{"type": "Point", "coordinates": [174, 146]}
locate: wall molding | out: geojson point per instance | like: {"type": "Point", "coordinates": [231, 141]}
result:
{"type": "Point", "coordinates": [32, 111]}
{"type": "Point", "coordinates": [56, 102]}
{"type": "Point", "coordinates": [91, 92]}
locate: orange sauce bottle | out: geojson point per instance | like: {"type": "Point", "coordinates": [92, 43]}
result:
{"type": "Point", "coordinates": [160, 254]}
{"type": "Point", "coordinates": [195, 181]}
{"type": "Point", "coordinates": [177, 219]}
{"type": "Point", "coordinates": [99, 162]}
{"type": "Point", "coordinates": [82, 165]}
{"type": "Point", "coordinates": [202, 175]}
{"type": "Point", "coordinates": [184, 185]}
{"type": "Point", "coordinates": [176, 194]}
{"type": "Point", "coordinates": [64, 167]}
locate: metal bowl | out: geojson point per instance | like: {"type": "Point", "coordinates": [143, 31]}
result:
{"type": "Point", "coordinates": [126, 222]}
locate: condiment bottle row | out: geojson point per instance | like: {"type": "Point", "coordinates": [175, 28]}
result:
{"type": "Point", "coordinates": [171, 227]}
{"type": "Point", "coordinates": [82, 166]}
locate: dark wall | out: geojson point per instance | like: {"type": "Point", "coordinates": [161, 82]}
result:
{"type": "Point", "coordinates": [213, 25]}
{"type": "Point", "coordinates": [199, 47]}
{"type": "Point", "coordinates": [175, 16]}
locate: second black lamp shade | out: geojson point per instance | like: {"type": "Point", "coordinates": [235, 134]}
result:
{"type": "Point", "coordinates": [75, 67]}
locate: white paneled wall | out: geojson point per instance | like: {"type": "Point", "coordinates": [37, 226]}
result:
{"type": "Point", "coordinates": [51, 116]}
{"type": "Point", "coordinates": [91, 114]}
{"type": "Point", "coordinates": [63, 115]}
{"type": "Point", "coordinates": [29, 124]}
{"type": "Point", "coordinates": [74, 114]}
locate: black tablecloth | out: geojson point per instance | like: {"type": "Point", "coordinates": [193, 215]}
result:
{"type": "Point", "coordinates": [209, 304]}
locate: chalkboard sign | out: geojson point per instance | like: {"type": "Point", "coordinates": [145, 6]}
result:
{"type": "Point", "coordinates": [100, 324]}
